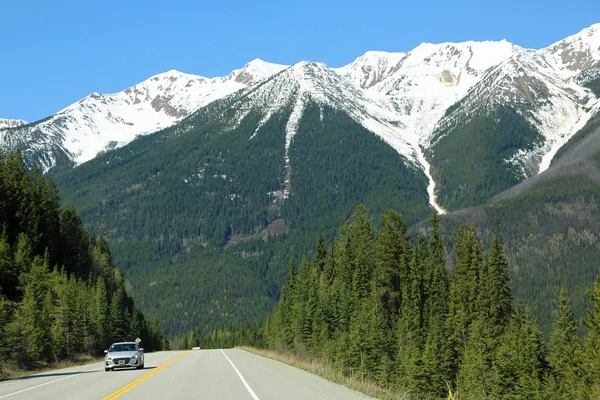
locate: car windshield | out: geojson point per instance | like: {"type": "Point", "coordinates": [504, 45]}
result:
{"type": "Point", "coordinates": [122, 347]}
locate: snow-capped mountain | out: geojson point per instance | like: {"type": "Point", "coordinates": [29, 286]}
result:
{"type": "Point", "coordinates": [409, 99]}
{"type": "Point", "coordinates": [99, 122]}
{"type": "Point", "coordinates": [11, 123]}
{"type": "Point", "coordinates": [547, 87]}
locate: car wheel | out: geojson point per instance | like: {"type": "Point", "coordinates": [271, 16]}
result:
{"type": "Point", "coordinates": [140, 366]}
{"type": "Point", "coordinates": [106, 369]}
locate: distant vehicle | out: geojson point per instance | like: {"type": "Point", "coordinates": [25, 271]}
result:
{"type": "Point", "coordinates": [124, 355]}
{"type": "Point", "coordinates": [196, 348]}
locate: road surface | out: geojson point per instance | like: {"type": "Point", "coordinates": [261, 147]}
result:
{"type": "Point", "coordinates": [199, 374]}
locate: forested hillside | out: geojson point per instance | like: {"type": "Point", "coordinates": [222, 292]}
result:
{"type": "Point", "coordinates": [549, 227]}
{"type": "Point", "coordinates": [60, 293]}
{"type": "Point", "coordinates": [198, 217]}
{"type": "Point", "coordinates": [375, 305]}
{"type": "Point", "coordinates": [469, 158]}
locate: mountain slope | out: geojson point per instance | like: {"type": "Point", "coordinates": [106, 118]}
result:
{"type": "Point", "coordinates": [416, 101]}
{"type": "Point", "coordinates": [523, 111]}
{"type": "Point", "coordinates": [238, 192]}
{"type": "Point", "coordinates": [548, 225]}
{"type": "Point", "coordinates": [101, 122]}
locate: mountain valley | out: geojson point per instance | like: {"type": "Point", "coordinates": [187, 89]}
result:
{"type": "Point", "coordinates": [174, 170]}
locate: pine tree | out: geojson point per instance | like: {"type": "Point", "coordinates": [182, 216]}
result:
{"type": "Point", "coordinates": [75, 246]}
{"type": "Point", "coordinates": [436, 352]}
{"type": "Point", "coordinates": [495, 296]}
{"type": "Point", "coordinates": [464, 292]}
{"type": "Point", "coordinates": [100, 316]}
{"type": "Point", "coordinates": [411, 334]}
{"type": "Point", "coordinates": [23, 257]}
{"type": "Point", "coordinates": [591, 358]}
{"type": "Point", "coordinates": [8, 276]}
{"type": "Point", "coordinates": [520, 363]}
{"type": "Point", "coordinates": [360, 247]}
{"type": "Point", "coordinates": [118, 326]}
{"type": "Point", "coordinates": [391, 265]}
{"type": "Point", "coordinates": [299, 297]}
{"type": "Point", "coordinates": [285, 333]}
{"type": "Point", "coordinates": [565, 354]}
{"type": "Point", "coordinates": [475, 377]}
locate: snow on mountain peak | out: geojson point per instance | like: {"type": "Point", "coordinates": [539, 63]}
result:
{"type": "Point", "coordinates": [402, 97]}
{"type": "Point", "coordinates": [11, 123]}
{"type": "Point", "coordinates": [577, 52]}
{"type": "Point", "coordinates": [371, 68]}
{"type": "Point", "coordinates": [255, 71]}
{"type": "Point", "coordinates": [100, 121]}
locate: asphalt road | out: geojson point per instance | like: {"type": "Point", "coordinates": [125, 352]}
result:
{"type": "Point", "coordinates": [200, 374]}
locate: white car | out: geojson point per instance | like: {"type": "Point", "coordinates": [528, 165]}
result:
{"type": "Point", "coordinates": [124, 355]}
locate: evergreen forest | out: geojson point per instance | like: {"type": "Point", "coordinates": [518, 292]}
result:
{"type": "Point", "coordinates": [393, 310]}
{"type": "Point", "coordinates": [469, 157]}
{"type": "Point", "coordinates": [61, 296]}
{"type": "Point", "coordinates": [188, 211]}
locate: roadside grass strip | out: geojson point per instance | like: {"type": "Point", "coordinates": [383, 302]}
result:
{"type": "Point", "coordinates": [143, 378]}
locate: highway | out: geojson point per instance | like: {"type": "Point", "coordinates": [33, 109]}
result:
{"type": "Point", "coordinates": [199, 374]}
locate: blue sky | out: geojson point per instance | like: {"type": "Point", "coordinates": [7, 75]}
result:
{"type": "Point", "coordinates": [56, 52]}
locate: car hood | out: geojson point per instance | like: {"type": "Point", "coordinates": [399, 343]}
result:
{"type": "Point", "coordinates": [118, 354]}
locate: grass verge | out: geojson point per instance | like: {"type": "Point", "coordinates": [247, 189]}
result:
{"type": "Point", "coordinates": [327, 371]}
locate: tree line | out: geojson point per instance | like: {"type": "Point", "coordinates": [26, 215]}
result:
{"type": "Point", "coordinates": [376, 305]}
{"type": "Point", "coordinates": [60, 294]}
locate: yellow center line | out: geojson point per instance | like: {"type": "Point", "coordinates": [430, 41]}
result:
{"type": "Point", "coordinates": [142, 378]}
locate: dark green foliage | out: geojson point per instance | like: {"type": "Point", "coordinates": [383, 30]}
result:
{"type": "Point", "coordinates": [520, 360]}
{"type": "Point", "coordinates": [420, 329]}
{"type": "Point", "coordinates": [190, 211]}
{"type": "Point", "coordinates": [54, 300]}
{"type": "Point", "coordinates": [469, 159]}
{"type": "Point", "coordinates": [550, 236]}
{"type": "Point", "coordinates": [591, 344]}
{"type": "Point", "coordinates": [565, 356]}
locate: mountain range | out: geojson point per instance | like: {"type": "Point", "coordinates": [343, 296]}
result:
{"type": "Point", "coordinates": [205, 186]}
{"type": "Point", "coordinates": [405, 98]}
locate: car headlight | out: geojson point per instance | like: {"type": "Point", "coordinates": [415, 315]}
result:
{"type": "Point", "coordinates": [136, 356]}
{"type": "Point", "coordinates": [108, 358]}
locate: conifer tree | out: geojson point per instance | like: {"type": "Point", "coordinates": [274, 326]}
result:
{"type": "Point", "coordinates": [475, 377]}
{"type": "Point", "coordinates": [411, 335]}
{"type": "Point", "coordinates": [520, 363]}
{"type": "Point", "coordinates": [436, 352]}
{"type": "Point", "coordinates": [464, 291]}
{"type": "Point", "coordinates": [391, 265]}
{"type": "Point", "coordinates": [75, 241]}
{"type": "Point", "coordinates": [565, 353]}
{"type": "Point", "coordinates": [299, 294]}
{"type": "Point", "coordinates": [118, 311]}
{"type": "Point", "coordinates": [495, 296]}
{"type": "Point", "coordinates": [100, 315]}
{"type": "Point", "coordinates": [285, 333]}
{"type": "Point", "coordinates": [591, 359]}
{"type": "Point", "coordinates": [360, 246]}
{"type": "Point", "coordinates": [8, 276]}
{"type": "Point", "coordinates": [23, 257]}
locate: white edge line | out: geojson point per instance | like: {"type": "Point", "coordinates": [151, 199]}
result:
{"type": "Point", "coordinates": [254, 396]}
{"type": "Point", "coordinates": [47, 383]}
